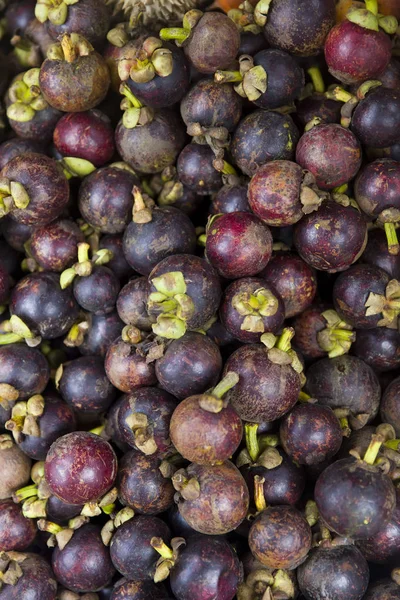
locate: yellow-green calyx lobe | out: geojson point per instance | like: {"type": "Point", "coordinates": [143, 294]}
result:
{"type": "Point", "coordinates": [55, 11]}
{"type": "Point", "coordinates": [337, 336]}
{"type": "Point", "coordinates": [253, 307]}
{"type": "Point", "coordinates": [25, 96]}
{"type": "Point", "coordinates": [135, 114]}
{"type": "Point", "coordinates": [171, 304]}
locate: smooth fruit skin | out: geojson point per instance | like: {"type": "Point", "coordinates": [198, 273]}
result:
{"type": "Point", "coordinates": [299, 28]}
{"type": "Point", "coordinates": [131, 303]}
{"type": "Point", "coordinates": [54, 246]}
{"type": "Point", "coordinates": [89, 18]}
{"type": "Point", "coordinates": [390, 405]}
{"type": "Point", "coordinates": [332, 238]}
{"type": "Point", "coordinates": [311, 433]}
{"type": "Point", "coordinates": [84, 385]}
{"type": "Point", "coordinates": [385, 589]}
{"type": "Point", "coordinates": [331, 153]}
{"type": "Point", "coordinates": [24, 368]}
{"type": "Point", "coordinates": [202, 436]}
{"type": "Point", "coordinates": [355, 54]}
{"type": "Point", "coordinates": [36, 583]}
{"type": "Point", "coordinates": [80, 467]}
{"type": "Point", "coordinates": [337, 573]}
{"type": "Point", "coordinates": [307, 325]}
{"type": "Point", "coordinates": [376, 253]}
{"type": "Point", "coordinates": [294, 280]}
{"type": "Point", "coordinates": [207, 568]}
{"type": "Point", "coordinates": [317, 105]}
{"type": "Point", "coordinates": [238, 244]}
{"type": "Point", "coordinates": [377, 187]}
{"type": "Point", "coordinates": [384, 547]}
{"type": "Point", "coordinates": [16, 531]}
{"type": "Point", "coordinates": [196, 170]}
{"type": "Point", "coordinates": [280, 537]}
{"type": "Point", "coordinates": [126, 368]}
{"type": "Point", "coordinates": [223, 501]}
{"type": "Point", "coordinates": [130, 549]}
{"type": "Point", "coordinates": [103, 331]}
{"type": "Point", "coordinates": [263, 136]}
{"type": "Point", "coordinates": [379, 348]}
{"type": "Point", "coordinates": [230, 198]}
{"type": "Point", "coordinates": [376, 119]}
{"type": "Point", "coordinates": [354, 499]}
{"type": "Point", "coordinates": [285, 78]}
{"type": "Point", "coordinates": [351, 292]}
{"type": "Point", "coordinates": [98, 292]}
{"type": "Point", "coordinates": [190, 365]}
{"type": "Point", "coordinates": [265, 390]}
{"type": "Point", "coordinates": [345, 381]}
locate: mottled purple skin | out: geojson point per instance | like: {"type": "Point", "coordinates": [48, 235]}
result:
{"type": "Point", "coordinates": [137, 590]}
{"type": "Point", "coordinates": [202, 436]}
{"type": "Point", "coordinates": [310, 434]}
{"type": "Point", "coordinates": [220, 335]}
{"type": "Point", "coordinates": [274, 193]}
{"type": "Point", "coordinates": [384, 546]}
{"type": "Point", "coordinates": [376, 253]}
{"type": "Point", "coordinates": [213, 44]}
{"type": "Point", "coordinates": [355, 54]}
{"type": "Point", "coordinates": [285, 78]}
{"type": "Point", "coordinates": [142, 486]}
{"type": "Point", "coordinates": [202, 285]}
{"type": "Point", "coordinates": [98, 292]}
{"type": "Point", "coordinates": [84, 565]}
{"type": "Point", "coordinates": [331, 153]}
{"type": "Point", "coordinates": [75, 86]}
{"type": "Point", "coordinates": [131, 304]}
{"type": "Point", "coordinates": [40, 127]}
{"type": "Point", "coordinates": [354, 499]}
{"type": "Point", "coordinates": [87, 135]}
{"type": "Point", "coordinates": [24, 368]}
{"type": "Point", "coordinates": [60, 512]}
{"type": "Point", "coordinates": [390, 77]}
{"type": "Point", "coordinates": [80, 467]}
{"type": "Point", "coordinates": [345, 382]}
{"type": "Point", "coordinates": [351, 292]}
{"type": "Point", "coordinates": [103, 330]}
{"type": "Point", "coordinates": [153, 147]}
{"type": "Point", "coordinates": [57, 420]}
{"type": "Point", "coordinates": [377, 187]}
{"type": "Point", "coordinates": [46, 309]}
{"type": "Point", "coordinates": [5, 284]}
{"type": "Point", "coordinates": [105, 199]}
{"type": "Point", "coordinates": [238, 244]}
{"type": "Point", "coordinates": [385, 589]}
{"type": "Point", "coordinates": [223, 501]}
{"type": "Point", "coordinates": [212, 105]}
{"type": "Point", "coordinates": [379, 348]}
{"type": "Point", "coordinates": [16, 531]}
{"type": "Point", "coordinates": [45, 184]}
{"type": "Point", "coordinates": [332, 238]}
{"type": "Point", "coordinates": [126, 368]}
{"type": "Point", "coordinates": [294, 280]}
{"type": "Point", "coordinates": [376, 119]}
{"type": "Point", "coordinates": [230, 198]}
{"type": "Point", "coordinates": [16, 234]}
{"type": "Point", "coordinates": [84, 385]}
{"type": "Point", "coordinates": [19, 14]}
{"type": "Point", "coordinates": [390, 405]}
{"type": "Point", "coordinates": [298, 28]}
{"type": "Point", "coordinates": [265, 390]}
{"type": "Point", "coordinates": [89, 18]}
{"type": "Point", "coordinates": [283, 485]}
{"type": "Point", "coordinates": [16, 146]}
{"type": "Point", "coordinates": [206, 568]}
{"type": "Point", "coordinates": [15, 468]}
{"type": "Point", "coordinates": [196, 170]}
{"type": "Point", "coordinates": [233, 320]}
{"type": "Point", "coordinates": [251, 43]}
{"type": "Point", "coordinates": [37, 581]}
{"type": "Point", "coordinates": [169, 232]}
{"type": "Point", "coordinates": [158, 407]}
{"type": "Point", "coordinates": [130, 548]}
{"type": "Point", "coordinates": [118, 263]}
{"type": "Point", "coordinates": [317, 105]}
{"type": "Point", "coordinates": [280, 537]}
{"type": "Point", "coordinates": [263, 136]}
{"type": "Point", "coordinates": [190, 365]}
{"type": "Point", "coordinates": [161, 92]}
{"type": "Point", "coordinates": [112, 429]}
{"type": "Point", "coordinates": [54, 246]}
{"type": "Point", "coordinates": [337, 573]}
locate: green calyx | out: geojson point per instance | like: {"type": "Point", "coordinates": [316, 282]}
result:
{"type": "Point", "coordinates": [253, 307]}
{"type": "Point", "coordinates": [8, 395]}
{"type": "Point", "coordinates": [212, 401]}
{"type": "Point", "coordinates": [135, 114]}
{"type": "Point", "coordinates": [384, 433]}
{"type": "Point", "coordinates": [181, 34]}
{"type": "Point", "coordinates": [24, 417]}
{"type": "Point", "coordinates": [105, 505]}
{"type": "Point", "coordinates": [118, 36]}
{"type": "Point", "coordinates": [251, 80]}
{"type": "Point", "coordinates": [364, 18]}
{"type": "Point", "coordinates": [280, 351]}
{"type": "Point", "coordinates": [170, 303]}
{"type": "Point", "coordinates": [13, 195]}
{"type": "Point", "coordinates": [243, 17]}
{"type": "Point", "coordinates": [118, 519]}
{"type": "Point", "coordinates": [27, 52]}
{"type": "Point", "coordinates": [76, 167]}
{"type": "Point", "coordinates": [76, 335]}
{"type": "Point", "coordinates": [337, 337]}
{"type": "Point", "coordinates": [60, 536]}
{"type": "Point", "coordinates": [267, 583]}
{"type": "Point", "coordinates": [70, 48]}
{"type": "Point", "coordinates": [387, 305]}
{"type": "Point", "coordinates": [261, 12]}
{"type": "Point", "coordinates": [151, 60]}
{"type": "Point", "coordinates": [84, 266]}
{"type": "Point", "coordinates": [142, 207]}
{"type": "Point", "coordinates": [168, 556]}
{"type": "Point", "coordinates": [17, 331]}
{"type": "Point", "coordinates": [55, 11]}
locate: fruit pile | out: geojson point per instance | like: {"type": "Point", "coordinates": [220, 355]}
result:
{"type": "Point", "coordinates": [199, 300]}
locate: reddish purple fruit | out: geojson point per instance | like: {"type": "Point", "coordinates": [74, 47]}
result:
{"type": "Point", "coordinates": [54, 246]}
{"type": "Point", "coordinates": [390, 405]}
{"type": "Point", "coordinates": [127, 368]}
{"type": "Point", "coordinates": [16, 531]}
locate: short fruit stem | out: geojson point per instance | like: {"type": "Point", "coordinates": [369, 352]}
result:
{"type": "Point", "coordinates": [174, 33]}
{"type": "Point", "coordinates": [259, 498]}
{"type": "Point", "coordinates": [252, 440]}
{"type": "Point", "coordinates": [228, 77]}
{"type": "Point", "coordinates": [283, 342]}
{"type": "Point", "coordinates": [391, 236]}
{"type": "Point", "coordinates": [317, 80]}
{"type": "Point", "coordinates": [372, 6]}
{"type": "Point", "coordinates": [161, 547]}
{"type": "Point", "coordinates": [226, 384]}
